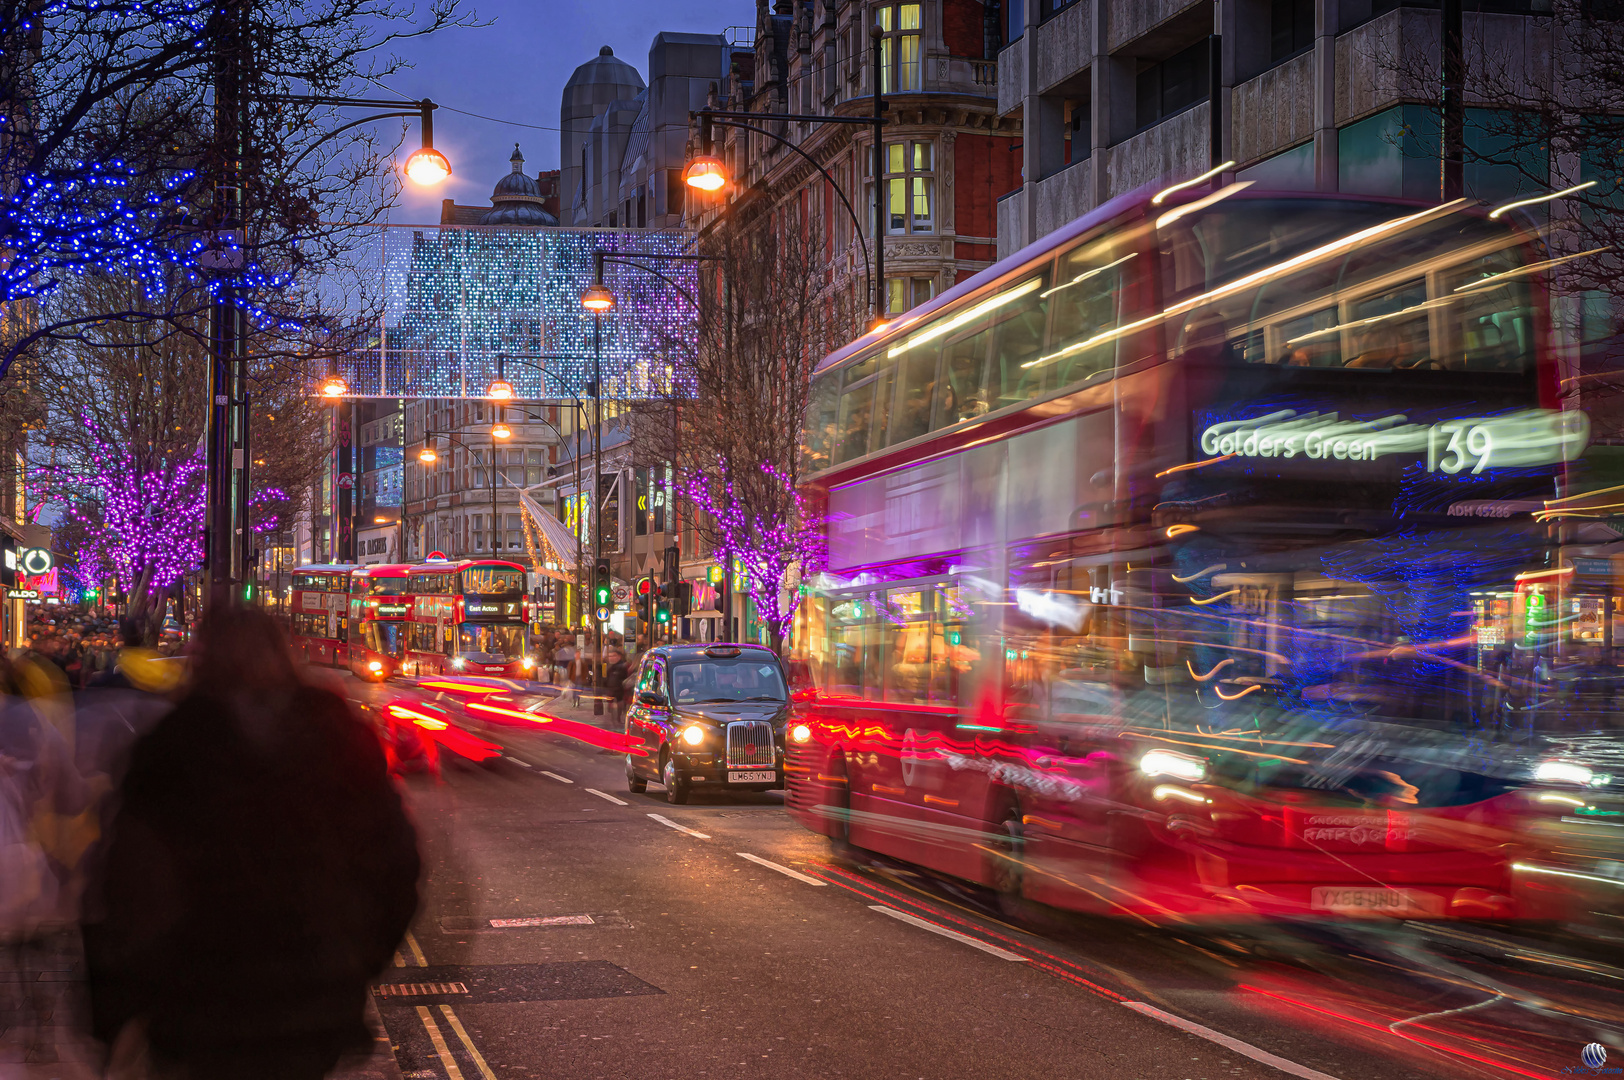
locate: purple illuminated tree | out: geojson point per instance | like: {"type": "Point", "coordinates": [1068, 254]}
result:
{"type": "Point", "coordinates": [141, 527]}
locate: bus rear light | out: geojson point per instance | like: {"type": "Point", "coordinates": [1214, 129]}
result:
{"type": "Point", "coordinates": [430, 723]}
{"type": "Point", "coordinates": [1173, 763]}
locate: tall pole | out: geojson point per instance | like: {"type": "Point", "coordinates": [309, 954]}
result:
{"type": "Point", "coordinates": [492, 471]}
{"type": "Point", "coordinates": [1215, 93]}
{"type": "Point", "coordinates": [1452, 179]}
{"type": "Point", "coordinates": [880, 304]}
{"type": "Point", "coordinates": [599, 669]}
{"type": "Point", "coordinates": [225, 318]}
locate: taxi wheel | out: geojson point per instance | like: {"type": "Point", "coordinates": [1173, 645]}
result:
{"type": "Point", "coordinates": [675, 793]}
{"type": "Point", "coordinates": [634, 783]}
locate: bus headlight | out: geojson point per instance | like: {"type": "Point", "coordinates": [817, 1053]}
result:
{"type": "Point", "coordinates": [1172, 763]}
{"type": "Point", "coordinates": [1563, 772]}
{"type": "Point", "coordinates": [693, 734]}
{"type": "Point", "coordinates": [527, 663]}
{"type": "Point", "coordinates": [374, 666]}
{"type": "Point", "coordinates": [800, 733]}
{"type": "Point", "coordinates": [458, 662]}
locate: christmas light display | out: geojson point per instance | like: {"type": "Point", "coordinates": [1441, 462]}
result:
{"type": "Point", "coordinates": [134, 519]}
{"type": "Point", "coordinates": [458, 297]}
{"type": "Point", "coordinates": [772, 539]}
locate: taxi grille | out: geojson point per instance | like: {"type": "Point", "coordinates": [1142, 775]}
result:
{"type": "Point", "coordinates": [750, 742]}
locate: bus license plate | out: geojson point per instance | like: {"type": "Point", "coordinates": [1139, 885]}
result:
{"type": "Point", "coordinates": [1397, 903]}
{"type": "Point", "coordinates": [752, 777]}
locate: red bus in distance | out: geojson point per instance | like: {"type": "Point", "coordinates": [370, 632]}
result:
{"type": "Point", "coordinates": [468, 617]}
{"type": "Point", "coordinates": [379, 606]}
{"type": "Point", "coordinates": [320, 611]}
{"type": "Point", "coordinates": [1143, 595]}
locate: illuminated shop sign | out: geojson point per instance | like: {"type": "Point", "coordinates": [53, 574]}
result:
{"type": "Point", "coordinates": [491, 609]}
{"type": "Point", "coordinates": [1471, 444]}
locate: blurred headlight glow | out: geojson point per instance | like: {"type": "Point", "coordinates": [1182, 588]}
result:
{"type": "Point", "coordinates": [800, 733]}
{"type": "Point", "coordinates": [693, 734]}
{"type": "Point", "coordinates": [458, 662]}
{"type": "Point", "coordinates": [374, 666]}
{"type": "Point", "coordinates": [527, 663]}
{"type": "Point", "coordinates": [1563, 772]}
{"type": "Point", "coordinates": [1172, 763]}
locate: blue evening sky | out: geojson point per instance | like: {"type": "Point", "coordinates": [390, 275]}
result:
{"type": "Point", "coordinates": [515, 70]}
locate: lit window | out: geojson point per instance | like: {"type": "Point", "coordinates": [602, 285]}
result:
{"type": "Point", "coordinates": [900, 69]}
{"type": "Point", "coordinates": [910, 189]}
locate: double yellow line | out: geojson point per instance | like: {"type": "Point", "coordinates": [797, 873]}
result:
{"type": "Point", "coordinates": [429, 1025]}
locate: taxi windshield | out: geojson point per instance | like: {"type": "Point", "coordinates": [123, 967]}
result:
{"type": "Point", "coordinates": [739, 678]}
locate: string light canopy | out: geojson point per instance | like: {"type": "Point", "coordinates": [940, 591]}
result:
{"type": "Point", "coordinates": [457, 299]}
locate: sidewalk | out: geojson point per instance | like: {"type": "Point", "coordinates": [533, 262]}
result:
{"type": "Point", "coordinates": [44, 1029]}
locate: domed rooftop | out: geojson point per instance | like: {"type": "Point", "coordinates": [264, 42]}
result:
{"type": "Point", "coordinates": [604, 68]}
{"type": "Point", "coordinates": [516, 199]}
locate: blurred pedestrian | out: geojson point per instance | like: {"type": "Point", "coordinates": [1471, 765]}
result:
{"type": "Point", "coordinates": [259, 873]}
{"type": "Point", "coordinates": [614, 684]}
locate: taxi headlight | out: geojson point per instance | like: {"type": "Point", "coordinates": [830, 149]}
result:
{"type": "Point", "coordinates": [800, 733]}
{"type": "Point", "coordinates": [693, 734]}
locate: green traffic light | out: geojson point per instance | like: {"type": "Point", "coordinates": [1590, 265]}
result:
{"type": "Point", "coordinates": [662, 614]}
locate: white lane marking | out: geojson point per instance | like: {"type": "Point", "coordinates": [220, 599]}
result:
{"type": "Point", "coordinates": [438, 1040]}
{"type": "Point", "coordinates": [963, 939]}
{"type": "Point", "coordinates": [1291, 1068]}
{"type": "Point", "coordinates": [462, 1033]}
{"type": "Point", "coordinates": [417, 953]}
{"type": "Point", "coordinates": [543, 920]}
{"type": "Point", "coordinates": [606, 795]}
{"type": "Point", "coordinates": [769, 864]}
{"type": "Point", "coordinates": [516, 761]}
{"type": "Point", "coordinates": [680, 828]}
{"type": "Point", "coordinates": [555, 776]}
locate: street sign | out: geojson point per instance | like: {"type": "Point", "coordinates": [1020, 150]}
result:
{"type": "Point", "coordinates": [622, 593]}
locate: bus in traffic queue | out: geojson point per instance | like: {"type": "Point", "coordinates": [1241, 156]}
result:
{"type": "Point", "coordinates": [319, 613]}
{"type": "Point", "coordinates": [1150, 560]}
{"type": "Point", "coordinates": [379, 605]}
{"type": "Point", "coordinates": [468, 616]}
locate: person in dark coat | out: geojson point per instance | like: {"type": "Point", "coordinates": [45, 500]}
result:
{"type": "Point", "coordinates": [260, 872]}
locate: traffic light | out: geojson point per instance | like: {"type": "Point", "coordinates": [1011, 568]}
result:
{"type": "Point", "coordinates": [603, 590]}
{"type": "Point", "coordinates": [713, 575]}
{"type": "Point", "coordinates": [683, 601]}
{"type": "Point", "coordinates": [662, 613]}
{"type": "Point", "coordinates": [645, 597]}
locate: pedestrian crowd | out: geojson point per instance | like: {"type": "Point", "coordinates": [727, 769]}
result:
{"type": "Point", "coordinates": [217, 842]}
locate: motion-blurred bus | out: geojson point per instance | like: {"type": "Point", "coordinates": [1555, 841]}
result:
{"type": "Point", "coordinates": [379, 606]}
{"type": "Point", "coordinates": [319, 622]}
{"type": "Point", "coordinates": [468, 616]}
{"type": "Point", "coordinates": [1151, 560]}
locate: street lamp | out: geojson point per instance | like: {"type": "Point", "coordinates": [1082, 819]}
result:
{"type": "Point", "coordinates": [499, 390]}
{"type": "Point", "coordinates": [428, 456]}
{"type": "Point", "coordinates": [597, 298]}
{"type": "Point", "coordinates": [428, 167]}
{"type": "Point", "coordinates": [706, 173]}
{"type": "Point", "coordinates": [334, 386]}
{"type": "Point", "coordinates": [501, 431]}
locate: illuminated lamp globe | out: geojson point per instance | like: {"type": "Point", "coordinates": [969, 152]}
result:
{"type": "Point", "coordinates": [428, 167]}
{"type": "Point", "coordinates": [427, 455]}
{"type": "Point", "coordinates": [499, 390]}
{"type": "Point", "coordinates": [705, 173]}
{"type": "Point", "coordinates": [334, 386]}
{"type": "Point", "coordinates": [597, 298]}
{"type": "Point", "coordinates": [501, 431]}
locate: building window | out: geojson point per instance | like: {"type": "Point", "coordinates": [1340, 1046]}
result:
{"type": "Point", "coordinates": [910, 187]}
{"type": "Point", "coordinates": [1171, 85]}
{"type": "Point", "coordinates": [904, 294]}
{"type": "Point", "coordinates": [900, 69]}
{"type": "Point", "coordinates": [1291, 28]}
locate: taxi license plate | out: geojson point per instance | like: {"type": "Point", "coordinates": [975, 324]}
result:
{"type": "Point", "coordinates": [1395, 903]}
{"type": "Point", "coordinates": [766, 777]}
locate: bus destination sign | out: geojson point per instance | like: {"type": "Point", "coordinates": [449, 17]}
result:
{"type": "Point", "coordinates": [1467, 445]}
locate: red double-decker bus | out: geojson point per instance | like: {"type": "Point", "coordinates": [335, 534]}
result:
{"type": "Point", "coordinates": [379, 606]}
{"type": "Point", "coordinates": [468, 616]}
{"type": "Point", "coordinates": [319, 619]}
{"type": "Point", "coordinates": [1150, 551]}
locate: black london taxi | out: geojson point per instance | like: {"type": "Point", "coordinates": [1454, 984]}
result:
{"type": "Point", "coordinates": [707, 716]}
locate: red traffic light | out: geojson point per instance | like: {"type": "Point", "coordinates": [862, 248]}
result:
{"type": "Point", "coordinates": [645, 586]}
